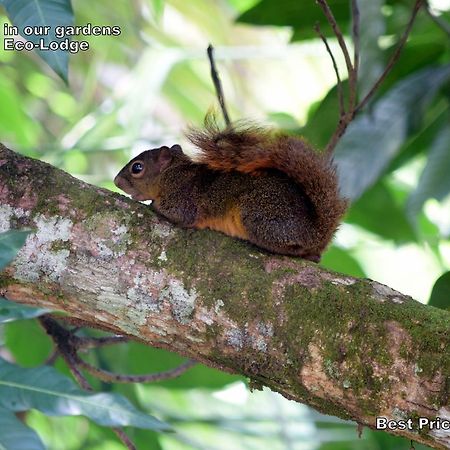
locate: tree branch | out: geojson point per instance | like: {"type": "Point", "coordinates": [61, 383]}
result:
{"type": "Point", "coordinates": [347, 347]}
{"type": "Point", "coordinates": [336, 71]}
{"type": "Point", "coordinates": [218, 85]}
{"type": "Point", "coordinates": [353, 67]}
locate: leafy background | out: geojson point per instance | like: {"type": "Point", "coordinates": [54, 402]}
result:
{"type": "Point", "coordinates": [140, 90]}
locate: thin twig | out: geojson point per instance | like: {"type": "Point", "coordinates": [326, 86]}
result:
{"type": "Point", "coordinates": [336, 70]}
{"type": "Point", "coordinates": [394, 57]}
{"type": "Point", "coordinates": [124, 438]}
{"type": "Point", "coordinates": [338, 33]}
{"type": "Point", "coordinates": [85, 343]}
{"type": "Point", "coordinates": [110, 377]}
{"type": "Point", "coordinates": [356, 45]}
{"type": "Point", "coordinates": [352, 69]}
{"type": "Point", "coordinates": [52, 358]}
{"type": "Point", "coordinates": [218, 85]}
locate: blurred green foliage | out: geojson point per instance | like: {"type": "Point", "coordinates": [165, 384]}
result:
{"type": "Point", "coordinates": [141, 89]}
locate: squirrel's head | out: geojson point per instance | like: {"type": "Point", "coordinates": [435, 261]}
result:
{"type": "Point", "coordinates": [140, 178]}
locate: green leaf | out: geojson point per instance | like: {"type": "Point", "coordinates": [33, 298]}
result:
{"type": "Point", "coordinates": [372, 26]}
{"type": "Point", "coordinates": [434, 181]}
{"type": "Point", "coordinates": [10, 243]}
{"type": "Point", "coordinates": [372, 140]}
{"type": "Point", "coordinates": [300, 15]}
{"type": "Point", "coordinates": [366, 211]}
{"type": "Point", "coordinates": [10, 311]}
{"type": "Point", "coordinates": [48, 391]}
{"type": "Point", "coordinates": [53, 13]}
{"type": "Point", "coordinates": [339, 260]}
{"type": "Point", "coordinates": [28, 343]}
{"type": "Point", "coordinates": [440, 295]}
{"type": "Point", "coordinates": [14, 435]}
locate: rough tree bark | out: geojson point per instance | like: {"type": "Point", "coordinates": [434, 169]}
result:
{"type": "Point", "coordinates": [348, 347]}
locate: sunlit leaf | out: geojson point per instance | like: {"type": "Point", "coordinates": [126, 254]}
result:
{"type": "Point", "coordinates": [45, 389]}
{"type": "Point", "coordinates": [434, 181]}
{"type": "Point", "coordinates": [14, 435]}
{"type": "Point", "coordinates": [440, 295]}
{"type": "Point", "coordinates": [23, 13]}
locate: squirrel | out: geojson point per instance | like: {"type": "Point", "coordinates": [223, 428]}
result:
{"type": "Point", "coordinates": [271, 189]}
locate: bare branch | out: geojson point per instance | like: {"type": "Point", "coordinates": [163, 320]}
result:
{"type": "Point", "coordinates": [124, 438]}
{"type": "Point", "coordinates": [352, 68]}
{"type": "Point", "coordinates": [356, 45]}
{"type": "Point", "coordinates": [64, 341]}
{"type": "Point", "coordinates": [85, 343]}
{"type": "Point", "coordinates": [340, 38]}
{"type": "Point", "coordinates": [218, 84]}
{"type": "Point", "coordinates": [336, 71]}
{"type": "Point", "coordinates": [417, 5]}
{"type": "Point", "coordinates": [110, 377]}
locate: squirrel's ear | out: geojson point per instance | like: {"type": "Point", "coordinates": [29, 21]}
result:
{"type": "Point", "coordinates": [176, 149]}
{"type": "Point", "coordinates": [164, 158]}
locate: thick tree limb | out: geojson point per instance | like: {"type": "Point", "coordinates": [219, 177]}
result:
{"type": "Point", "coordinates": [351, 348]}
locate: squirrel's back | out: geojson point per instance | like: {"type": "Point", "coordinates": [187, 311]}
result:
{"type": "Point", "coordinates": [253, 150]}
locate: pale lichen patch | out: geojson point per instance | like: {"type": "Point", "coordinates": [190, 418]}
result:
{"type": "Point", "coordinates": [141, 296]}
{"type": "Point", "coordinates": [163, 256]}
{"type": "Point", "coordinates": [266, 329]}
{"type": "Point", "coordinates": [236, 338]}
{"type": "Point", "coordinates": [8, 213]}
{"type": "Point", "coordinates": [182, 301]}
{"type": "Point", "coordinates": [218, 305]}
{"type": "Point", "coordinates": [346, 281]}
{"type": "Point", "coordinates": [162, 230]}
{"type": "Point", "coordinates": [383, 293]}
{"type": "Point", "coordinates": [38, 257]}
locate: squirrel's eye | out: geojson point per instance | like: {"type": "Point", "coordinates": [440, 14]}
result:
{"type": "Point", "coordinates": [137, 167]}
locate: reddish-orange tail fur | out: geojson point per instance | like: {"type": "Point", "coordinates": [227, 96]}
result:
{"type": "Point", "coordinates": [252, 150]}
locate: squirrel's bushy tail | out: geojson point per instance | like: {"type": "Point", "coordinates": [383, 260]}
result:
{"type": "Point", "coordinates": [250, 149]}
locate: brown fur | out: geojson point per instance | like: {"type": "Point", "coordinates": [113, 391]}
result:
{"type": "Point", "coordinates": [270, 189]}
{"type": "Point", "coordinates": [252, 150]}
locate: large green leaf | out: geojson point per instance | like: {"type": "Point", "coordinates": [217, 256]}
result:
{"type": "Point", "coordinates": [374, 138]}
{"type": "Point", "coordinates": [27, 342]}
{"type": "Point", "coordinates": [434, 181]}
{"type": "Point", "coordinates": [440, 295]}
{"type": "Point", "coordinates": [302, 15]}
{"type": "Point", "coordinates": [372, 26]}
{"type": "Point", "coordinates": [14, 435]}
{"type": "Point", "coordinates": [48, 391]}
{"type": "Point", "coordinates": [10, 311]}
{"type": "Point", "coordinates": [366, 211]}
{"type": "Point", "coordinates": [10, 243]}
{"type": "Point", "coordinates": [23, 13]}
